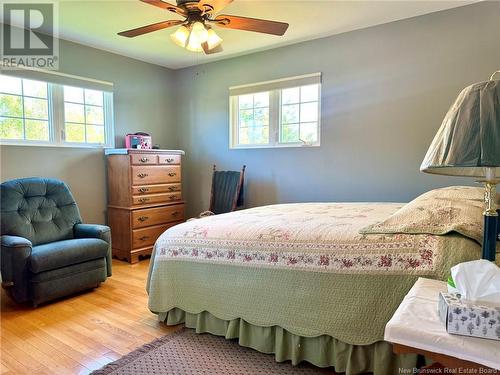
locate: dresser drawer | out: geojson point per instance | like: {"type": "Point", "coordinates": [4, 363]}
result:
{"type": "Point", "coordinates": [144, 159]}
{"type": "Point", "coordinates": [155, 174]}
{"type": "Point", "coordinates": [148, 236]}
{"type": "Point", "coordinates": [169, 159]}
{"type": "Point", "coordinates": [159, 215]}
{"type": "Point", "coordinates": [153, 189]}
{"type": "Point", "coordinates": [156, 198]}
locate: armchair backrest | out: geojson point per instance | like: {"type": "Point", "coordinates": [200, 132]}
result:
{"type": "Point", "coordinates": [40, 209]}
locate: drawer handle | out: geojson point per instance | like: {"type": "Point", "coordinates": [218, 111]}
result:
{"type": "Point", "coordinates": [171, 188]}
{"type": "Point", "coordinates": [172, 174]}
{"type": "Point", "coordinates": [142, 200]}
{"type": "Point", "coordinates": [143, 238]}
{"type": "Point", "coordinates": [169, 160]}
{"type": "Point", "coordinates": [173, 197]}
{"type": "Point", "coordinates": [175, 213]}
{"type": "Point", "coordinates": [143, 218]}
{"type": "Point", "coordinates": [144, 160]}
{"type": "Point", "coordinates": [143, 190]}
{"type": "Point", "coordinates": [142, 175]}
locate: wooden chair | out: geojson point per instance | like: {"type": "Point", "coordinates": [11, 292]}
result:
{"type": "Point", "coordinates": [227, 191]}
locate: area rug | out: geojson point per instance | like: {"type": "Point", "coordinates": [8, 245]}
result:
{"type": "Point", "coordinates": [185, 352]}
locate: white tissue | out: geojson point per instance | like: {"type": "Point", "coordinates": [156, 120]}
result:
{"type": "Point", "coordinates": [478, 280]}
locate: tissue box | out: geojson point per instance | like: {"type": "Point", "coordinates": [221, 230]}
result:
{"type": "Point", "coordinates": [469, 319]}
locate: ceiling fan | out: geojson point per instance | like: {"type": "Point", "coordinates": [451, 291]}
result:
{"type": "Point", "coordinates": [195, 33]}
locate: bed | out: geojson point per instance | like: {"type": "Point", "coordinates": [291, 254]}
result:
{"type": "Point", "coordinates": [310, 281]}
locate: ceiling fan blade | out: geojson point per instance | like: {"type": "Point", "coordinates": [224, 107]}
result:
{"type": "Point", "coordinates": [213, 6]}
{"type": "Point", "coordinates": [251, 24]}
{"type": "Point", "coordinates": [167, 6]}
{"type": "Point", "coordinates": [211, 51]}
{"type": "Point", "coordinates": [150, 28]}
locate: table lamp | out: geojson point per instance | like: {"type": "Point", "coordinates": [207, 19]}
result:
{"type": "Point", "coordinates": [468, 144]}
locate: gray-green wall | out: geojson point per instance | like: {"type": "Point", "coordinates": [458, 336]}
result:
{"type": "Point", "coordinates": [385, 92]}
{"type": "Point", "coordinates": [143, 100]}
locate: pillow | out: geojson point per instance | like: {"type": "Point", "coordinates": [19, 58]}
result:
{"type": "Point", "coordinates": [440, 211]}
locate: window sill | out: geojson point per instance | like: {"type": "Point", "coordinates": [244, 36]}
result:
{"type": "Point", "coordinates": [53, 145]}
{"type": "Point", "coordinates": [293, 145]}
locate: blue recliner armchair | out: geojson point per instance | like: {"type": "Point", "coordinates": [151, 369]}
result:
{"type": "Point", "coordinates": [46, 251]}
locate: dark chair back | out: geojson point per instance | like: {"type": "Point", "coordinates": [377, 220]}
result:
{"type": "Point", "coordinates": [41, 210]}
{"type": "Point", "coordinates": [227, 190]}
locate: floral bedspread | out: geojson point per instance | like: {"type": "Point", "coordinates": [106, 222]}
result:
{"type": "Point", "coordinates": [321, 237]}
{"type": "Point", "coordinates": [303, 267]}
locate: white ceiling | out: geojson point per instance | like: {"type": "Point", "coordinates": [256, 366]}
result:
{"type": "Point", "coordinates": [95, 23]}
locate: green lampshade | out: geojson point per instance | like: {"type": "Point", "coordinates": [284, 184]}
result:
{"type": "Point", "coordinates": [468, 141]}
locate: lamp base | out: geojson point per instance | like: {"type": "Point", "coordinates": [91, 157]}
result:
{"type": "Point", "coordinates": [490, 231]}
{"type": "Point", "coordinates": [490, 237]}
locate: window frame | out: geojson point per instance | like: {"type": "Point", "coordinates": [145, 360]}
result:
{"type": "Point", "coordinates": [275, 115]}
{"type": "Point", "coordinates": [55, 102]}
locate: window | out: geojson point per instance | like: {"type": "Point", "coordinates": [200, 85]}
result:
{"type": "Point", "coordinates": [37, 112]}
{"type": "Point", "coordinates": [253, 119]}
{"type": "Point", "coordinates": [282, 113]}
{"type": "Point", "coordinates": [83, 115]}
{"type": "Point", "coordinates": [24, 109]}
{"type": "Point", "coordinates": [299, 114]}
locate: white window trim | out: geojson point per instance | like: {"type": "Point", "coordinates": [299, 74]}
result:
{"type": "Point", "coordinates": [55, 94]}
{"type": "Point", "coordinates": [274, 115]}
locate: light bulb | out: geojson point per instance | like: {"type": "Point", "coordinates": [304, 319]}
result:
{"type": "Point", "coordinates": [180, 36]}
{"type": "Point", "coordinates": [199, 34]}
{"type": "Point", "coordinates": [213, 39]}
{"type": "Point", "coordinates": [193, 45]}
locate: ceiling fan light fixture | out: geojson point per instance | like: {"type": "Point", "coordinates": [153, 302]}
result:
{"type": "Point", "coordinates": [213, 39]}
{"type": "Point", "coordinates": [199, 33]}
{"type": "Point", "coordinates": [180, 37]}
{"type": "Point", "coordinates": [195, 32]}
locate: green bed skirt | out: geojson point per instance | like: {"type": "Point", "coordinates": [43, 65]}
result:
{"type": "Point", "coordinates": [321, 351]}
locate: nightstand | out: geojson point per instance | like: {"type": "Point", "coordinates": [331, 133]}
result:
{"type": "Point", "coordinates": [416, 328]}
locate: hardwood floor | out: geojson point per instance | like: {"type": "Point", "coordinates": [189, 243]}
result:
{"type": "Point", "coordinates": [81, 333]}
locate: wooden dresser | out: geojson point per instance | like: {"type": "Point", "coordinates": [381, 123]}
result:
{"type": "Point", "coordinates": [144, 198]}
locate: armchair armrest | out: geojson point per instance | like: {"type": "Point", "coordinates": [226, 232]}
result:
{"type": "Point", "coordinates": [15, 255]}
{"type": "Point", "coordinates": [101, 232]}
{"type": "Point", "coordinates": [16, 241]}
